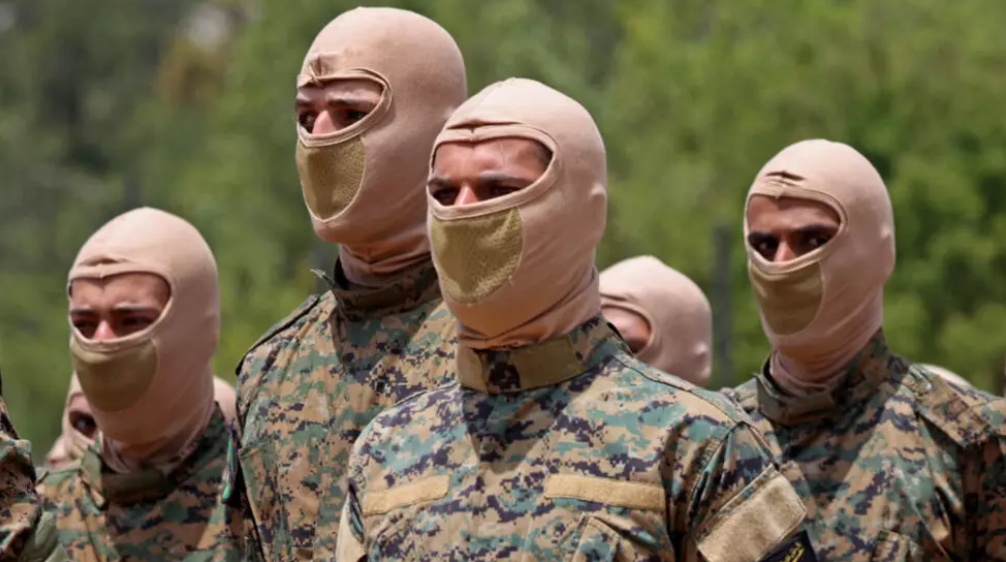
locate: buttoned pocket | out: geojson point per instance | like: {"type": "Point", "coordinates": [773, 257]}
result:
{"type": "Point", "coordinates": [589, 519]}
{"type": "Point", "coordinates": [391, 516]}
{"type": "Point", "coordinates": [892, 547]}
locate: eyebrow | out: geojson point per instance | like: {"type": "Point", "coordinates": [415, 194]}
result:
{"type": "Point", "coordinates": [349, 102]}
{"type": "Point", "coordinates": [134, 309]}
{"type": "Point", "coordinates": [440, 182]}
{"type": "Point", "coordinates": [817, 229]}
{"type": "Point", "coordinates": [759, 235]}
{"type": "Point", "coordinates": [498, 177]}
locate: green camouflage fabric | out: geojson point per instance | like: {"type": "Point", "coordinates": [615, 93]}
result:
{"type": "Point", "coordinates": [147, 516]}
{"type": "Point", "coordinates": [565, 450]}
{"type": "Point", "coordinates": [894, 463]}
{"type": "Point", "coordinates": [310, 386]}
{"type": "Point", "coordinates": [26, 533]}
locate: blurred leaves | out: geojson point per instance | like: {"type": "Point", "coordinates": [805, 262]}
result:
{"type": "Point", "coordinates": [187, 105]}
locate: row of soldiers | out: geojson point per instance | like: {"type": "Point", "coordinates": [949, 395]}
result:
{"type": "Point", "coordinates": [457, 393]}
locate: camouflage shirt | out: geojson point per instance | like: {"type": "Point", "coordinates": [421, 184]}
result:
{"type": "Point", "coordinates": [893, 462]}
{"type": "Point", "coordinates": [144, 516]}
{"type": "Point", "coordinates": [26, 533]}
{"type": "Point", "coordinates": [565, 450]}
{"type": "Point", "coordinates": [308, 388]}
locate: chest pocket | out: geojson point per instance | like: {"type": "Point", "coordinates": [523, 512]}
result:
{"type": "Point", "coordinates": [589, 519]}
{"type": "Point", "coordinates": [391, 515]}
{"type": "Point", "coordinates": [258, 466]}
{"type": "Point", "coordinates": [892, 547]}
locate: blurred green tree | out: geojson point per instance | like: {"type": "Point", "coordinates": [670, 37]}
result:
{"type": "Point", "coordinates": [187, 105]}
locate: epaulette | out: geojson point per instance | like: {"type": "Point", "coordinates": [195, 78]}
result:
{"type": "Point", "coordinates": [722, 403]}
{"type": "Point", "coordinates": [960, 416]}
{"type": "Point", "coordinates": [283, 324]}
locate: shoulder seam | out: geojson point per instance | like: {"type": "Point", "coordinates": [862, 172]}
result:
{"type": "Point", "coordinates": [283, 324]}
{"type": "Point", "coordinates": [737, 420]}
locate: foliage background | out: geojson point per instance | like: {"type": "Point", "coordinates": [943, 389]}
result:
{"type": "Point", "coordinates": [187, 105]}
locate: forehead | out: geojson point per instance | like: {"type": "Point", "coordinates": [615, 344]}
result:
{"type": "Point", "coordinates": [126, 287]}
{"type": "Point", "coordinates": [766, 213]}
{"type": "Point", "coordinates": [350, 88]}
{"type": "Point", "coordinates": [490, 152]}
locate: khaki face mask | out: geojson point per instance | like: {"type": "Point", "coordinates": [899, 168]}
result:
{"type": "Point", "coordinates": [819, 309]}
{"type": "Point", "coordinates": [151, 392]}
{"type": "Point", "coordinates": [678, 312]}
{"type": "Point", "coordinates": [519, 269]}
{"type": "Point", "coordinates": [364, 185]}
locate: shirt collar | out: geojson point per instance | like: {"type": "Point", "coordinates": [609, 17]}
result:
{"type": "Point", "coordinates": [498, 371]}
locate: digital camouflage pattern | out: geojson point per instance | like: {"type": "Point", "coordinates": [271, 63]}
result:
{"type": "Point", "coordinates": [147, 516]}
{"type": "Point", "coordinates": [311, 385]}
{"type": "Point", "coordinates": [893, 463]}
{"type": "Point", "coordinates": [26, 533]}
{"type": "Point", "coordinates": [566, 450]}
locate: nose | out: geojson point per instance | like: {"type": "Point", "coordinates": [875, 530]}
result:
{"type": "Point", "coordinates": [323, 125]}
{"type": "Point", "coordinates": [784, 252]}
{"type": "Point", "coordinates": [466, 197]}
{"type": "Point", "coordinates": [104, 332]}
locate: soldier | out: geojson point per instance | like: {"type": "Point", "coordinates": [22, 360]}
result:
{"type": "Point", "coordinates": [892, 461]}
{"type": "Point", "coordinates": [375, 88]}
{"type": "Point", "coordinates": [663, 316]}
{"type": "Point", "coordinates": [79, 429]}
{"type": "Point", "coordinates": [556, 444]}
{"type": "Point", "coordinates": [27, 534]}
{"type": "Point", "coordinates": [145, 315]}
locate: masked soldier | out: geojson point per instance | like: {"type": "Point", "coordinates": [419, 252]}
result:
{"type": "Point", "coordinates": [892, 462]}
{"type": "Point", "coordinates": [375, 88]}
{"type": "Point", "coordinates": [145, 315]}
{"type": "Point", "coordinates": [663, 316]}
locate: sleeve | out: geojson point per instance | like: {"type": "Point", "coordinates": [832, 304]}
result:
{"type": "Point", "coordinates": [350, 546]}
{"type": "Point", "coordinates": [25, 532]}
{"type": "Point", "coordinates": [985, 495]}
{"type": "Point", "coordinates": [742, 508]}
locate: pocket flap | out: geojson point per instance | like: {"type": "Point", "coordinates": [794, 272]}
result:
{"type": "Point", "coordinates": [426, 490]}
{"type": "Point", "coordinates": [633, 495]}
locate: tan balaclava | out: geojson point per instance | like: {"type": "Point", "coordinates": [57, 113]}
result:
{"type": "Point", "coordinates": [820, 309]}
{"type": "Point", "coordinates": [948, 375]}
{"type": "Point", "coordinates": [519, 269]}
{"type": "Point", "coordinates": [71, 444]}
{"type": "Point", "coordinates": [151, 392]}
{"type": "Point", "coordinates": [365, 185]}
{"type": "Point", "coordinates": [226, 398]}
{"type": "Point", "coordinates": [681, 323]}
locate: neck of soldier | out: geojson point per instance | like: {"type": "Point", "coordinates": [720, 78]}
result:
{"type": "Point", "coordinates": [163, 453]}
{"type": "Point", "coordinates": [383, 263]}
{"type": "Point", "coordinates": [807, 374]}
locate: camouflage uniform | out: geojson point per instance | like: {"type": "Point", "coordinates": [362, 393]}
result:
{"type": "Point", "coordinates": [893, 463]}
{"type": "Point", "coordinates": [26, 533]}
{"type": "Point", "coordinates": [565, 450]}
{"type": "Point", "coordinates": [308, 388]}
{"type": "Point", "coordinates": [144, 516]}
